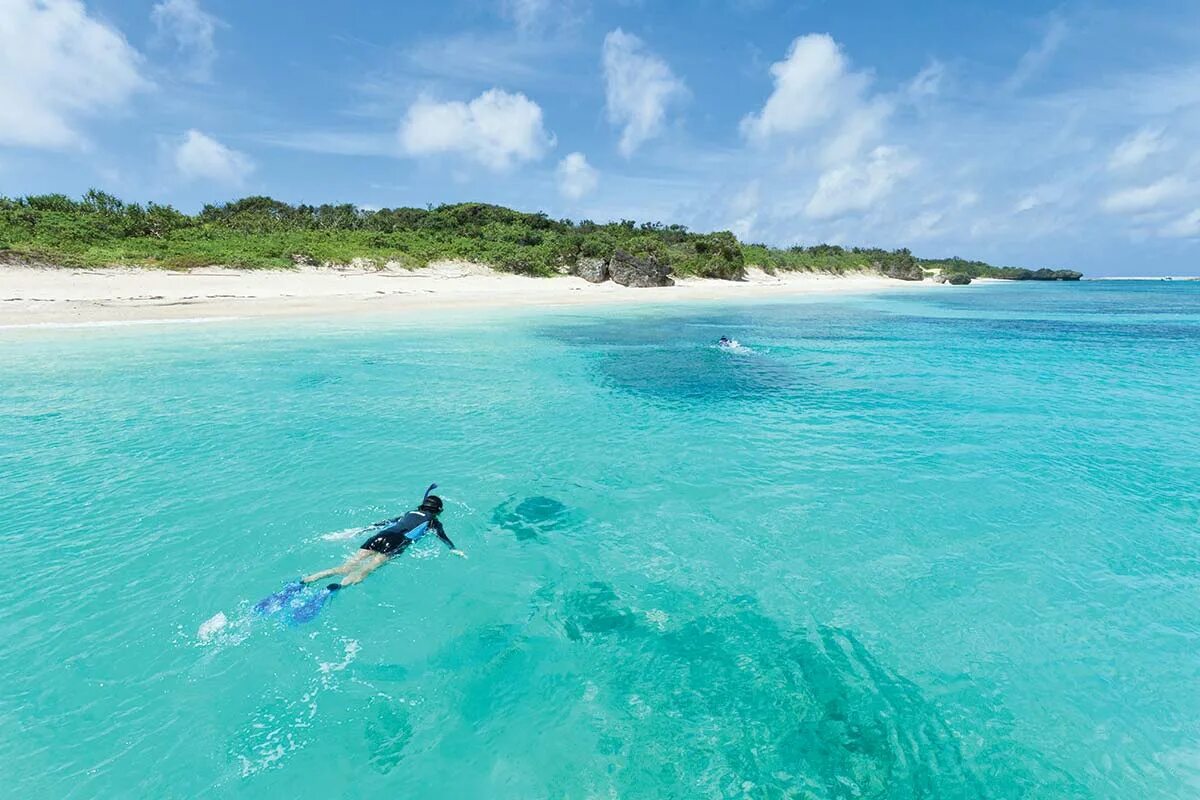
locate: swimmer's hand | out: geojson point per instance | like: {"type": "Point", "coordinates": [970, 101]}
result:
{"type": "Point", "coordinates": [459, 553]}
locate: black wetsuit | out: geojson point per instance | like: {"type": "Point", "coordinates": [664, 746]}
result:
{"type": "Point", "coordinates": [394, 535]}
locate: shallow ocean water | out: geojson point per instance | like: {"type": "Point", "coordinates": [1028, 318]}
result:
{"type": "Point", "coordinates": [936, 543]}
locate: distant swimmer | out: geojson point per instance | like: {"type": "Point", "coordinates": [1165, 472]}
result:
{"type": "Point", "coordinates": [391, 538]}
{"type": "Point", "coordinates": [728, 344]}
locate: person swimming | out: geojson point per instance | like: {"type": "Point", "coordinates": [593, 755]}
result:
{"type": "Point", "coordinates": [726, 342]}
{"type": "Point", "coordinates": [391, 538]}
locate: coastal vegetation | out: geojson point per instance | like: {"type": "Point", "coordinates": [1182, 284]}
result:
{"type": "Point", "coordinates": [260, 232]}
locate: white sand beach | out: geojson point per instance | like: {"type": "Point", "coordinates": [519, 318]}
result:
{"type": "Point", "coordinates": [56, 296]}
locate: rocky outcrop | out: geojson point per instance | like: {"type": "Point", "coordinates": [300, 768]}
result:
{"type": "Point", "coordinates": [901, 269]}
{"type": "Point", "coordinates": [954, 279]}
{"type": "Point", "coordinates": [629, 270]}
{"type": "Point", "coordinates": [593, 270]}
{"type": "Point", "coordinates": [1047, 275]}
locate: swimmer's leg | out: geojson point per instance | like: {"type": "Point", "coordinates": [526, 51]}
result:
{"type": "Point", "coordinates": [341, 570]}
{"type": "Point", "coordinates": [366, 569]}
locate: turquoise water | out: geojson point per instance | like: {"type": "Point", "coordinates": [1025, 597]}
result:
{"type": "Point", "coordinates": [931, 544]}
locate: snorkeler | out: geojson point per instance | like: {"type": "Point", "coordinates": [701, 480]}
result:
{"type": "Point", "coordinates": [391, 538]}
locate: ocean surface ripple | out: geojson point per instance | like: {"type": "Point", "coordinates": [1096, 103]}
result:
{"type": "Point", "coordinates": [934, 544]}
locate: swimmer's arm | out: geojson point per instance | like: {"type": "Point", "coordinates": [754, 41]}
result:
{"type": "Point", "coordinates": [441, 534]}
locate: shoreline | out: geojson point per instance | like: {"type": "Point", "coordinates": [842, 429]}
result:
{"type": "Point", "coordinates": [33, 297]}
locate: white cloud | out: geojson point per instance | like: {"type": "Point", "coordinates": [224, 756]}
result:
{"type": "Point", "coordinates": [58, 65]}
{"type": "Point", "coordinates": [744, 208]}
{"type": "Point", "coordinates": [1136, 149]}
{"type": "Point", "coordinates": [1043, 196]}
{"type": "Point", "coordinates": [860, 127]}
{"type": "Point", "coordinates": [471, 57]}
{"type": "Point", "coordinates": [858, 187]}
{"type": "Point", "coordinates": [496, 129]}
{"type": "Point", "coordinates": [334, 142]}
{"type": "Point", "coordinates": [813, 85]}
{"type": "Point", "coordinates": [927, 83]}
{"type": "Point", "coordinates": [818, 99]}
{"type": "Point", "coordinates": [833, 126]}
{"type": "Point", "coordinates": [1186, 227]}
{"type": "Point", "coordinates": [576, 177]}
{"type": "Point", "coordinates": [540, 16]}
{"type": "Point", "coordinates": [1027, 203]}
{"type": "Point", "coordinates": [527, 14]}
{"type": "Point", "coordinates": [925, 225]}
{"type": "Point", "coordinates": [200, 157]}
{"type": "Point", "coordinates": [191, 29]}
{"type": "Point", "coordinates": [1066, 172]}
{"type": "Point", "coordinates": [1140, 199]}
{"type": "Point", "coordinates": [639, 88]}
{"type": "Point", "coordinates": [1036, 58]}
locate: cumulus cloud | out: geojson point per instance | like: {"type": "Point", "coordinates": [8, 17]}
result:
{"type": "Point", "coordinates": [814, 85]}
{"type": "Point", "coordinates": [639, 87]}
{"type": "Point", "coordinates": [576, 177]}
{"type": "Point", "coordinates": [59, 65]}
{"type": "Point", "coordinates": [191, 30]}
{"type": "Point", "coordinates": [859, 186]}
{"type": "Point", "coordinates": [1136, 149]}
{"type": "Point", "coordinates": [1038, 177]}
{"type": "Point", "coordinates": [496, 129]}
{"type": "Point", "coordinates": [200, 157]}
{"type": "Point", "coordinates": [860, 127]}
{"type": "Point", "coordinates": [819, 102]}
{"type": "Point", "coordinates": [1140, 199]}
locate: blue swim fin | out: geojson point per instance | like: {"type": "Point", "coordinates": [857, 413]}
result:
{"type": "Point", "coordinates": [306, 608]}
{"type": "Point", "coordinates": [274, 603]}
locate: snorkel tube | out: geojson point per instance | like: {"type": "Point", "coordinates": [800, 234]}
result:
{"type": "Point", "coordinates": [431, 504]}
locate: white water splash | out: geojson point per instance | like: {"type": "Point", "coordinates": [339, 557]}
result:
{"type": "Point", "coordinates": [219, 631]}
{"type": "Point", "coordinates": [212, 626]}
{"type": "Point", "coordinates": [344, 534]}
{"type": "Point", "coordinates": [350, 650]}
{"type": "Point", "coordinates": [276, 733]}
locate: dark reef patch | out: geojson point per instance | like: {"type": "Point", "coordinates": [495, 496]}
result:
{"type": "Point", "coordinates": [533, 518]}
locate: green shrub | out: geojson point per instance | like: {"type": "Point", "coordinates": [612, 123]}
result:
{"type": "Point", "coordinates": [261, 232]}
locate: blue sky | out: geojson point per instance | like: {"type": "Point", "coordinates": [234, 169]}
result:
{"type": "Point", "coordinates": [1031, 133]}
